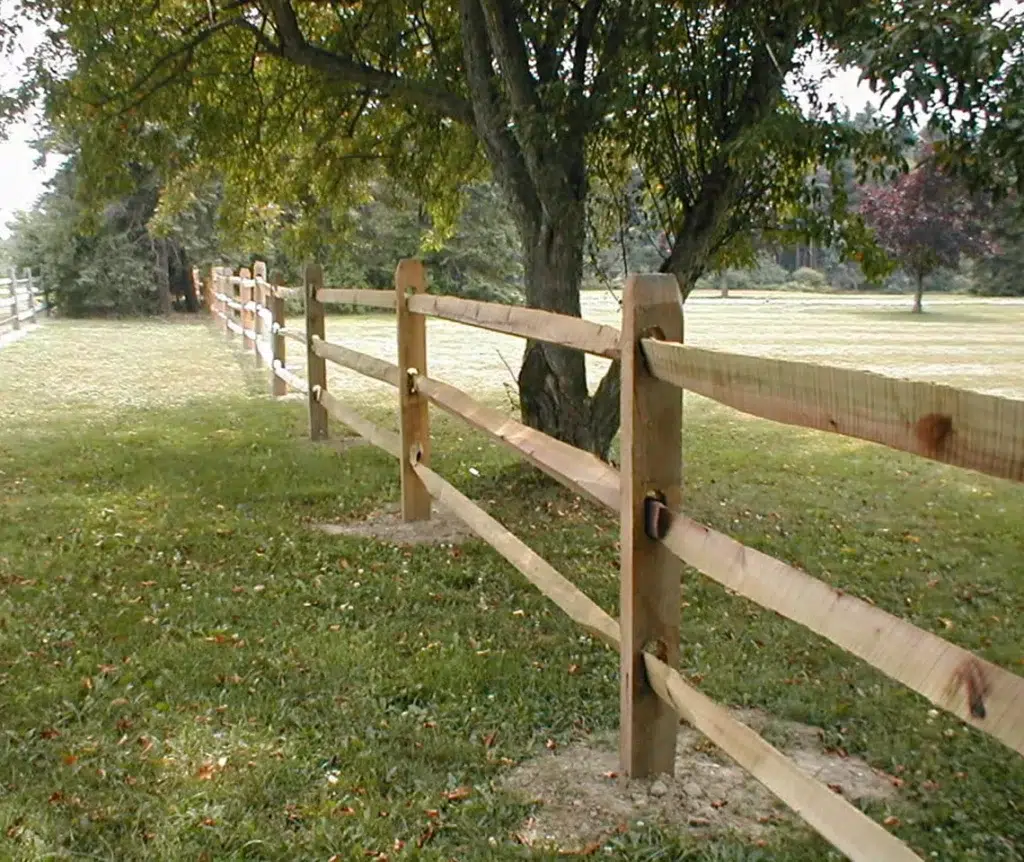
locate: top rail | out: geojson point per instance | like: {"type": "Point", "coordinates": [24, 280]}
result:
{"type": "Point", "coordinates": [954, 426]}
{"type": "Point", "coordinates": [532, 323]}
{"type": "Point", "coordinates": [357, 296]}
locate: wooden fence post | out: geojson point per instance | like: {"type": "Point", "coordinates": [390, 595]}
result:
{"type": "Point", "coordinates": [651, 453]}
{"type": "Point", "coordinates": [245, 297]}
{"type": "Point", "coordinates": [278, 387]}
{"type": "Point", "coordinates": [259, 293]}
{"type": "Point", "coordinates": [31, 295]}
{"type": "Point", "coordinates": [14, 298]}
{"type": "Point", "coordinates": [316, 366]}
{"type": "Point", "coordinates": [217, 277]}
{"type": "Point", "coordinates": [414, 416]}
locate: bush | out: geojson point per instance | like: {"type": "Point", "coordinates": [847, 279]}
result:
{"type": "Point", "coordinates": [809, 278]}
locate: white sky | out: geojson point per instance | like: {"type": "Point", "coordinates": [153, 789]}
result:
{"type": "Point", "coordinates": [21, 181]}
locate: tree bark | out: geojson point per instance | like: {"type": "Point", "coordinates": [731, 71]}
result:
{"type": "Point", "coordinates": [918, 294]}
{"type": "Point", "coordinates": [163, 276]}
{"type": "Point", "coordinates": [553, 390]}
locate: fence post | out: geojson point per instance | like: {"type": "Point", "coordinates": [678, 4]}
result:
{"type": "Point", "coordinates": [245, 297]}
{"type": "Point", "coordinates": [651, 454]}
{"type": "Point", "coordinates": [31, 295]}
{"type": "Point", "coordinates": [415, 419]}
{"type": "Point", "coordinates": [278, 387]}
{"type": "Point", "coordinates": [316, 366]}
{"type": "Point", "coordinates": [217, 278]}
{"type": "Point", "coordinates": [259, 273]}
{"type": "Point", "coordinates": [14, 298]}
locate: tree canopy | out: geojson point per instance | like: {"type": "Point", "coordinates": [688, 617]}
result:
{"type": "Point", "coordinates": [926, 219]}
{"type": "Point", "coordinates": [308, 101]}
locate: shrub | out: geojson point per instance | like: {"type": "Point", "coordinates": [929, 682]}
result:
{"type": "Point", "coordinates": [809, 278]}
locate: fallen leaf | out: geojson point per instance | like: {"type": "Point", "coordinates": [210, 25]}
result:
{"type": "Point", "coordinates": [574, 669]}
{"type": "Point", "coordinates": [49, 733]}
{"type": "Point", "coordinates": [609, 775]}
{"type": "Point", "coordinates": [551, 745]}
{"type": "Point", "coordinates": [836, 788]}
{"type": "Point", "coordinates": [209, 821]}
{"type": "Point", "coordinates": [891, 820]}
{"type": "Point", "coordinates": [458, 793]}
{"type": "Point", "coordinates": [427, 835]}
{"type": "Point", "coordinates": [489, 739]}
{"type": "Point", "coordinates": [206, 772]}
{"type": "Point", "coordinates": [719, 803]}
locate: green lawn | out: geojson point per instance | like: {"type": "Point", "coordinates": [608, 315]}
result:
{"type": "Point", "coordinates": [187, 671]}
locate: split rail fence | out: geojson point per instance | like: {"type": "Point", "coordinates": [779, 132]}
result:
{"type": "Point", "coordinates": [954, 426]}
{"type": "Point", "coordinates": [19, 303]}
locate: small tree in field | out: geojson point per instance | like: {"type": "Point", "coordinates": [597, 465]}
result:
{"type": "Point", "coordinates": [924, 220]}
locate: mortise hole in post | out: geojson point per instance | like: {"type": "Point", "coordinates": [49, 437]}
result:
{"type": "Point", "coordinates": [656, 516]}
{"type": "Point", "coordinates": [416, 453]}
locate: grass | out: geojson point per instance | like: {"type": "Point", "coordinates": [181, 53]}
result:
{"type": "Point", "coordinates": [188, 672]}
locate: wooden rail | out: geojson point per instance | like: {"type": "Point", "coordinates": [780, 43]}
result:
{"type": "Point", "coordinates": [955, 426]}
{"type": "Point", "coordinates": [976, 691]}
{"type": "Point", "coordinates": [355, 296]}
{"type": "Point", "coordinates": [523, 322]}
{"type": "Point", "coordinates": [20, 302]}
{"type": "Point", "coordinates": [966, 429]}
{"type": "Point", "coordinates": [365, 364]}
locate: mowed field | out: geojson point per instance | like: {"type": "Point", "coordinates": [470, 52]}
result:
{"type": "Point", "coordinates": [190, 671]}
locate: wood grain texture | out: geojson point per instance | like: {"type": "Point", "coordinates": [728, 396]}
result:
{"type": "Point", "coordinates": [525, 322]}
{"type": "Point", "coordinates": [649, 574]}
{"type": "Point", "coordinates": [954, 426]}
{"type": "Point", "coordinates": [278, 343]}
{"type": "Point", "coordinates": [976, 691]}
{"type": "Point", "coordinates": [245, 288]}
{"type": "Point", "coordinates": [316, 367]}
{"type": "Point", "coordinates": [369, 366]}
{"type": "Point", "coordinates": [578, 470]}
{"type": "Point", "coordinates": [845, 827]}
{"type": "Point", "coordinates": [292, 380]}
{"type": "Point", "coordinates": [358, 296]}
{"type": "Point", "coordinates": [389, 441]}
{"type": "Point", "coordinates": [13, 290]}
{"type": "Point", "coordinates": [413, 408]}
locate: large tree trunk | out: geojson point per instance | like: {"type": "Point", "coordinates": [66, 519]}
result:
{"type": "Point", "coordinates": [553, 380]}
{"type": "Point", "coordinates": [918, 294]}
{"type": "Point", "coordinates": [163, 276]}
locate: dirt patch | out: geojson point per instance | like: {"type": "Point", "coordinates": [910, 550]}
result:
{"type": "Point", "coordinates": [443, 528]}
{"type": "Point", "coordinates": [582, 799]}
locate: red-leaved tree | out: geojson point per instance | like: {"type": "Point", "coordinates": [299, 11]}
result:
{"type": "Point", "coordinates": [924, 220]}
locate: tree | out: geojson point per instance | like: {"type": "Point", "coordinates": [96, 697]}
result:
{"type": "Point", "coordinates": [292, 101]}
{"type": "Point", "coordinates": [925, 219]}
{"type": "Point", "coordinates": [106, 261]}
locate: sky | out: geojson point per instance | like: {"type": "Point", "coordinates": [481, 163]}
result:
{"type": "Point", "coordinates": [22, 181]}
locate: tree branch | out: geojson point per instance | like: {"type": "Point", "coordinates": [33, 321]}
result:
{"type": "Point", "coordinates": [510, 52]}
{"type": "Point", "coordinates": [491, 117]}
{"type": "Point", "coordinates": [295, 47]}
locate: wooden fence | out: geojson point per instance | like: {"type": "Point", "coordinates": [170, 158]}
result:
{"type": "Point", "coordinates": [958, 427]}
{"type": "Point", "coordinates": [19, 302]}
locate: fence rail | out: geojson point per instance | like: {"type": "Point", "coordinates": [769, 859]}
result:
{"type": "Point", "coordinates": [962, 428]}
{"type": "Point", "coordinates": [19, 301]}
